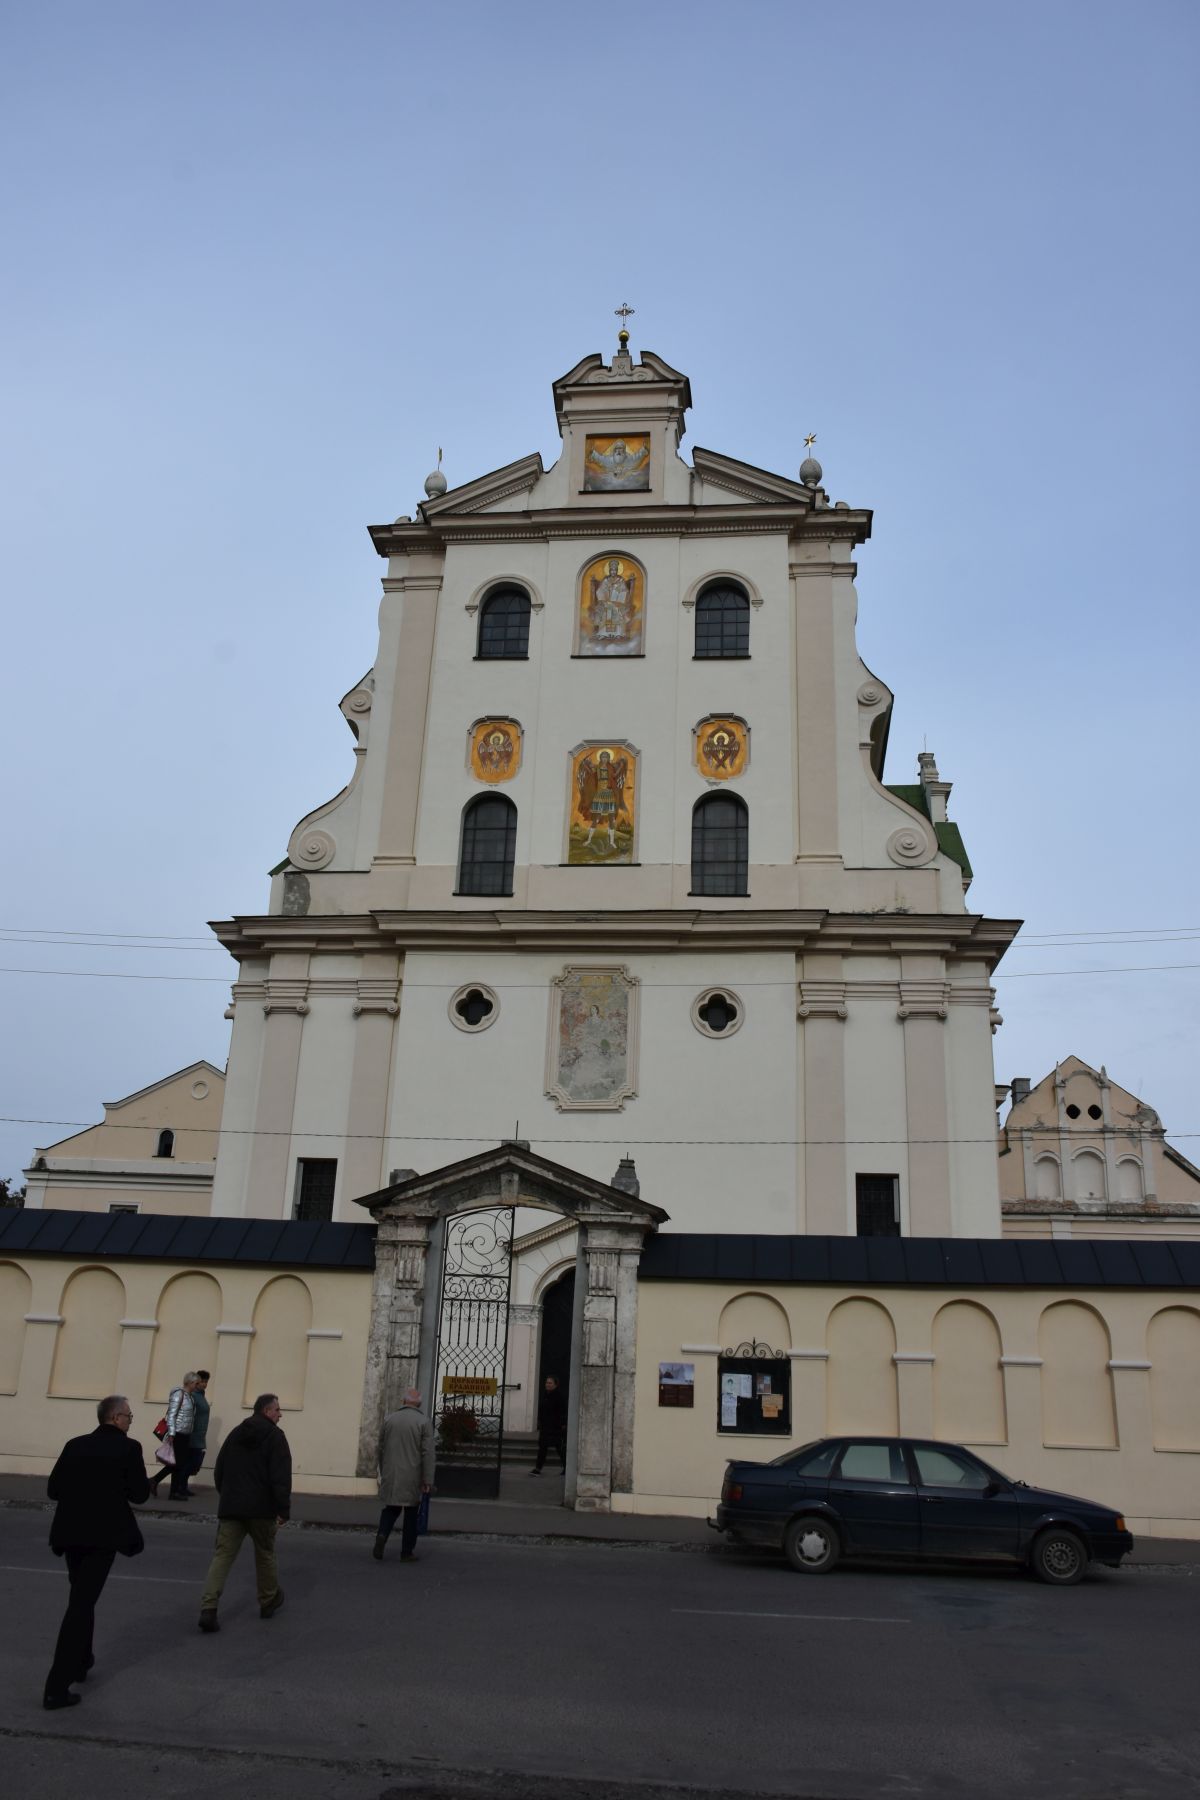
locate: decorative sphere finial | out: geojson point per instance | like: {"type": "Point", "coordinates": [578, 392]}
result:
{"type": "Point", "coordinates": [623, 337]}
{"type": "Point", "coordinates": [810, 469]}
{"type": "Point", "coordinates": [435, 482]}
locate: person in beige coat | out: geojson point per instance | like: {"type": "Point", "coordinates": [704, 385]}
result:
{"type": "Point", "coordinates": [406, 1466]}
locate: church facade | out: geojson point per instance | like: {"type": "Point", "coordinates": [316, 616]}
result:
{"type": "Point", "coordinates": [617, 869]}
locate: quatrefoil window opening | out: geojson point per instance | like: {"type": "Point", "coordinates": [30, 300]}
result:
{"type": "Point", "coordinates": [717, 1012]}
{"type": "Point", "coordinates": [474, 1007]}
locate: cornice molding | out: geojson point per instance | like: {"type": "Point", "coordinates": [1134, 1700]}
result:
{"type": "Point", "coordinates": [965, 937]}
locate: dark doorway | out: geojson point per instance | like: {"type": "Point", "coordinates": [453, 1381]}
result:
{"type": "Point", "coordinates": [558, 1311]}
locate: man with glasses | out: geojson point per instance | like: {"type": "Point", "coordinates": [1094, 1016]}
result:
{"type": "Point", "coordinates": [93, 1483]}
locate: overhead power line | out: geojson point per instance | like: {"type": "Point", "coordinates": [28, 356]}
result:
{"type": "Point", "coordinates": [497, 1137]}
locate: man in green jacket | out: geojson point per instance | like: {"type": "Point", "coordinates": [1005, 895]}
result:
{"type": "Point", "coordinates": [253, 1474]}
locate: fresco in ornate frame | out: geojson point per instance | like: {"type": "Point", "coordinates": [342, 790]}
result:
{"type": "Point", "coordinates": [602, 804]}
{"type": "Point", "coordinates": [494, 749]}
{"type": "Point", "coordinates": [612, 607]}
{"type": "Point", "coordinates": [721, 746]}
{"type": "Point", "coordinates": [591, 1055]}
{"type": "Point", "coordinates": [617, 465]}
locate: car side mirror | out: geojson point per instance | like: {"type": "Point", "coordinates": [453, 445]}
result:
{"type": "Point", "coordinates": [992, 1489]}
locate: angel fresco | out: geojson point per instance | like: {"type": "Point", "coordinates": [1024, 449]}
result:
{"type": "Point", "coordinates": [495, 749]}
{"type": "Point", "coordinates": [722, 748]}
{"type": "Point", "coordinates": [603, 808]}
{"type": "Point", "coordinates": [616, 465]}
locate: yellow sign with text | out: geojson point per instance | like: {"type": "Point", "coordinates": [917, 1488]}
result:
{"type": "Point", "coordinates": [469, 1384]}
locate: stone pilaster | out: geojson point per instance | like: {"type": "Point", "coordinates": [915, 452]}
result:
{"type": "Point", "coordinates": [923, 1010]}
{"type": "Point", "coordinates": [821, 1004]}
{"type": "Point", "coordinates": [285, 1004]}
{"type": "Point", "coordinates": [376, 1008]}
{"type": "Point", "coordinates": [394, 1341]}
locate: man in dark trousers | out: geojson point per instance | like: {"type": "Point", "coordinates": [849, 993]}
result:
{"type": "Point", "coordinates": [93, 1482]}
{"type": "Point", "coordinates": [552, 1425]}
{"type": "Point", "coordinates": [253, 1474]}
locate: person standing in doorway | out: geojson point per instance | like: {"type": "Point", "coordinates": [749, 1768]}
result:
{"type": "Point", "coordinates": [253, 1473]}
{"type": "Point", "coordinates": [180, 1416]}
{"type": "Point", "coordinates": [93, 1482]}
{"type": "Point", "coordinates": [552, 1425]}
{"type": "Point", "coordinates": [406, 1467]}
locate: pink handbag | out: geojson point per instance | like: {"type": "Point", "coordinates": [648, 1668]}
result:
{"type": "Point", "coordinates": [165, 1454]}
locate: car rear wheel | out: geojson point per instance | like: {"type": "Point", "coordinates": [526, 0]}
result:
{"type": "Point", "coordinates": [1059, 1558]}
{"type": "Point", "coordinates": [811, 1545]}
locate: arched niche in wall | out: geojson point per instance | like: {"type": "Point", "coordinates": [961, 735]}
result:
{"type": "Point", "coordinates": [1173, 1347]}
{"type": "Point", "coordinates": [860, 1376]}
{"type": "Point", "coordinates": [1091, 1182]}
{"type": "Point", "coordinates": [278, 1362]}
{"type": "Point", "coordinates": [16, 1292]}
{"type": "Point", "coordinates": [1047, 1178]}
{"type": "Point", "coordinates": [751, 1318]}
{"type": "Point", "coordinates": [189, 1311]}
{"type": "Point", "coordinates": [968, 1382]}
{"type": "Point", "coordinates": [1130, 1186]}
{"type": "Point", "coordinates": [89, 1338]}
{"type": "Point", "coordinates": [1077, 1393]}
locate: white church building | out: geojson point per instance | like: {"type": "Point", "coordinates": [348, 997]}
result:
{"type": "Point", "coordinates": [617, 871]}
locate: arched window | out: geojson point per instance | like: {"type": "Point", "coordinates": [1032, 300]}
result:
{"type": "Point", "coordinates": [166, 1144]}
{"type": "Point", "coordinates": [504, 624]}
{"type": "Point", "coordinates": [720, 845]}
{"type": "Point", "coordinates": [723, 621]}
{"type": "Point", "coordinates": [489, 846]}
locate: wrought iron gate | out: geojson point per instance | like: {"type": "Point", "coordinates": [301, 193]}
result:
{"type": "Point", "coordinates": [472, 1343]}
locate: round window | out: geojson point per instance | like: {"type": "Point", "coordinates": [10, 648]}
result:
{"type": "Point", "coordinates": [717, 1012]}
{"type": "Point", "coordinates": [1094, 1112]}
{"type": "Point", "coordinates": [1072, 1111]}
{"type": "Point", "coordinates": [474, 1007]}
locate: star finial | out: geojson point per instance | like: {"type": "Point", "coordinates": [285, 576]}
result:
{"type": "Point", "coordinates": [810, 440]}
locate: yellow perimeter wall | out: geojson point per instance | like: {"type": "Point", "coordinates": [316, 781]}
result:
{"type": "Point", "coordinates": [71, 1332]}
{"type": "Point", "coordinates": [1094, 1392]}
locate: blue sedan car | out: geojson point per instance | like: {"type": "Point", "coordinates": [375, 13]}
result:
{"type": "Point", "coordinates": [912, 1497]}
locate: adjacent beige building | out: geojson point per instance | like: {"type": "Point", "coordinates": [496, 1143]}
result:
{"type": "Point", "coordinates": [1081, 1156]}
{"type": "Point", "coordinates": [155, 1151]}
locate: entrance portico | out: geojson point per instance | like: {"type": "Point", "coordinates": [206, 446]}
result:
{"type": "Point", "coordinates": [613, 1223]}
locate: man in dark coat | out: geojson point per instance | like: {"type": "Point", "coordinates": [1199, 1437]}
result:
{"type": "Point", "coordinates": [552, 1425]}
{"type": "Point", "coordinates": [93, 1482]}
{"type": "Point", "coordinates": [253, 1474]}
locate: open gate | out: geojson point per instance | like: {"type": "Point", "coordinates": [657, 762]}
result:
{"type": "Point", "coordinates": [472, 1345]}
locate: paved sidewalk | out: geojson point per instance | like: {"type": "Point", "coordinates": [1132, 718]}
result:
{"type": "Point", "coordinates": [516, 1514]}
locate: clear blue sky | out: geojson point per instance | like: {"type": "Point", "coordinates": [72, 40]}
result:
{"type": "Point", "coordinates": [261, 260]}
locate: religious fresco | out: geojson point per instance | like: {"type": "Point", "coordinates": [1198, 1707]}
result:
{"type": "Point", "coordinates": [495, 753]}
{"type": "Point", "coordinates": [591, 1060]}
{"type": "Point", "coordinates": [603, 800]}
{"type": "Point", "coordinates": [617, 465]}
{"type": "Point", "coordinates": [722, 747]}
{"type": "Point", "coordinates": [612, 603]}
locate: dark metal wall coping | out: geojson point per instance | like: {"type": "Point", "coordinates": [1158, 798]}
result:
{"type": "Point", "coordinates": [185, 1238]}
{"type": "Point", "coordinates": [668, 1256]}
{"type": "Point", "coordinates": [922, 1262]}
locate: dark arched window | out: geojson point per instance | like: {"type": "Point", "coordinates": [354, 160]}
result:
{"type": "Point", "coordinates": [720, 845]}
{"type": "Point", "coordinates": [504, 623]}
{"type": "Point", "coordinates": [723, 621]}
{"type": "Point", "coordinates": [489, 846]}
{"type": "Point", "coordinates": [166, 1144]}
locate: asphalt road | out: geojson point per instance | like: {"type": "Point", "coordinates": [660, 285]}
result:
{"type": "Point", "coordinates": [596, 1673]}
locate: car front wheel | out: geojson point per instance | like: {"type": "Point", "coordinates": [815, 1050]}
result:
{"type": "Point", "coordinates": [811, 1545]}
{"type": "Point", "coordinates": [1059, 1558]}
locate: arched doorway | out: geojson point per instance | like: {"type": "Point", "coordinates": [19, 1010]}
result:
{"type": "Point", "coordinates": [554, 1351]}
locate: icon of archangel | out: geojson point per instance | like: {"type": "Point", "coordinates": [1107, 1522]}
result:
{"type": "Point", "coordinates": [602, 818]}
{"type": "Point", "coordinates": [611, 608]}
{"type": "Point", "coordinates": [617, 465]}
{"type": "Point", "coordinates": [721, 748]}
{"type": "Point", "coordinates": [495, 749]}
